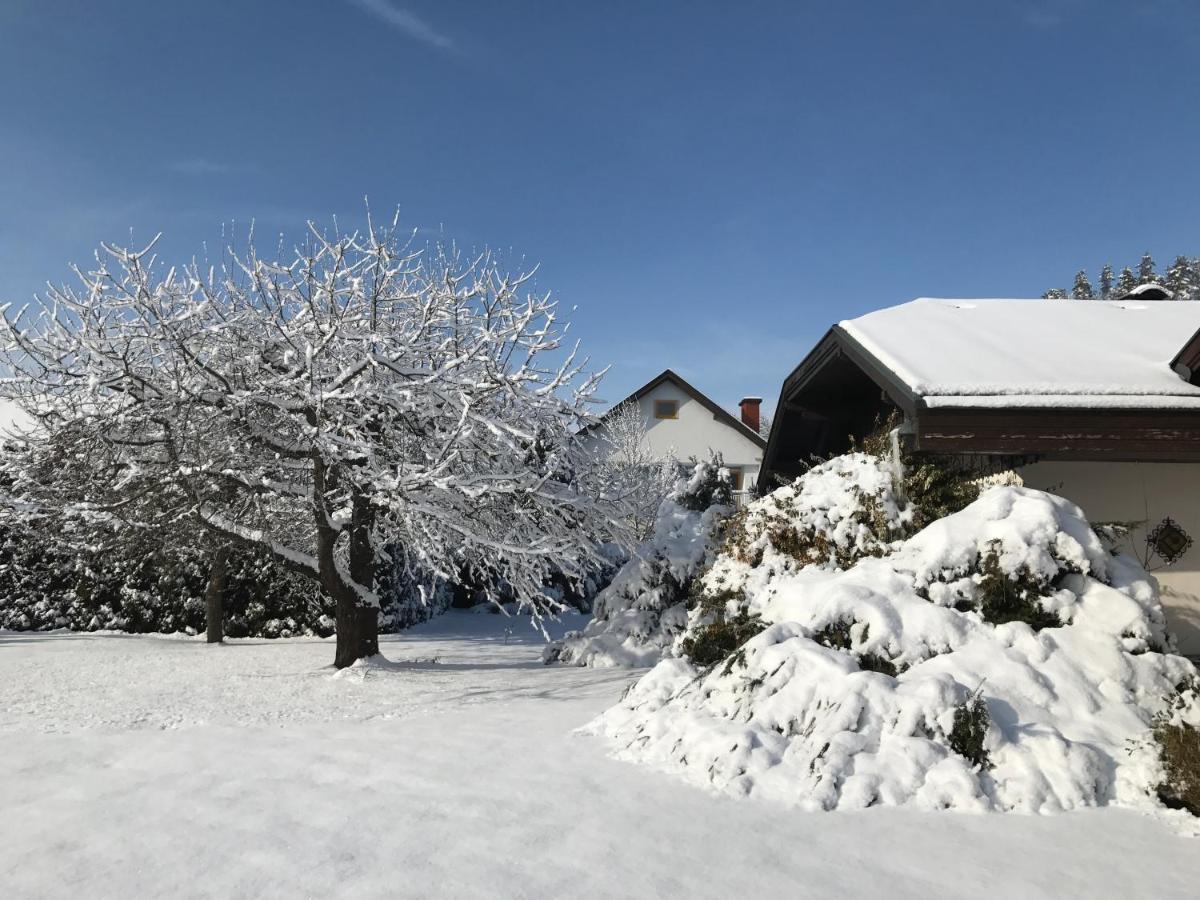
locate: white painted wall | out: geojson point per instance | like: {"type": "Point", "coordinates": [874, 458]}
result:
{"type": "Point", "coordinates": [694, 433]}
{"type": "Point", "coordinates": [1140, 492]}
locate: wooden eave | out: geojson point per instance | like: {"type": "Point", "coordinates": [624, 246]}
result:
{"type": "Point", "coordinates": [1189, 357]}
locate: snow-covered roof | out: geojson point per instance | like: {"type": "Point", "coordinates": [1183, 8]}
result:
{"type": "Point", "coordinates": [1034, 353]}
{"type": "Point", "coordinates": [1151, 288]}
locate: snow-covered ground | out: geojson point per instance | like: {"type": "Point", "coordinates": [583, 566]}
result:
{"type": "Point", "coordinates": [144, 766]}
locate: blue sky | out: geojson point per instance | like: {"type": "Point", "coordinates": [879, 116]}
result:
{"type": "Point", "coordinates": [711, 184]}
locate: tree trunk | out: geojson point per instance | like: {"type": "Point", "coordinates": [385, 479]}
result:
{"type": "Point", "coordinates": [357, 630]}
{"type": "Point", "coordinates": [357, 623]}
{"type": "Point", "coordinates": [214, 595]}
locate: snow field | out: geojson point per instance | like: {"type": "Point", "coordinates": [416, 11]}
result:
{"type": "Point", "coordinates": [142, 766]}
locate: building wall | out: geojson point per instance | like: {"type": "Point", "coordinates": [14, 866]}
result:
{"type": "Point", "coordinates": [694, 433]}
{"type": "Point", "coordinates": [1145, 493]}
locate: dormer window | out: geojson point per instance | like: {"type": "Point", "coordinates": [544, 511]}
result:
{"type": "Point", "coordinates": [666, 409]}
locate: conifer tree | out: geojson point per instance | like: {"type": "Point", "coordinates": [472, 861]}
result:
{"type": "Point", "coordinates": [1082, 290]}
{"type": "Point", "coordinates": [1055, 294]}
{"type": "Point", "coordinates": [1193, 279]}
{"type": "Point", "coordinates": [1182, 279]}
{"type": "Point", "coordinates": [1106, 282]}
{"type": "Point", "coordinates": [1146, 273]}
{"type": "Point", "coordinates": [1126, 282]}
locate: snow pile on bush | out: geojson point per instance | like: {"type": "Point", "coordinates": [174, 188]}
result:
{"type": "Point", "coordinates": [643, 610]}
{"type": "Point", "coordinates": [999, 659]}
{"type": "Point", "coordinates": [836, 514]}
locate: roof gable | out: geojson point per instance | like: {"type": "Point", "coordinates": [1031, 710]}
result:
{"type": "Point", "coordinates": [719, 413]}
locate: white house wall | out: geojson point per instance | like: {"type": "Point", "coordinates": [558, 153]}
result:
{"type": "Point", "coordinates": [1145, 493]}
{"type": "Point", "coordinates": [695, 432]}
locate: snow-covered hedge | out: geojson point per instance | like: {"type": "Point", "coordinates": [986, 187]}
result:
{"type": "Point", "coordinates": [999, 659]}
{"type": "Point", "coordinates": [642, 612]}
{"type": "Point", "coordinates": [143, 588]}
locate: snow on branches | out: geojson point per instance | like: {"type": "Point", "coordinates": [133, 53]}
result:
{"type": "Point", "coordinates": [356, 395]}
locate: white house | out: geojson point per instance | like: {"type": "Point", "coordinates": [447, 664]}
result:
{"type": "Point", "coordinates": [1096, 401]}
{"type": "Point", "coordinates": [681, 422]}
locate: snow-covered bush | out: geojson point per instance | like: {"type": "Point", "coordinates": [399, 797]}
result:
{"type": "Point", "coordinates": [644, 609]}
{"type": "Point", "coordinates": [705, 483]}
{"type": "Point", "coordinates": [837, 513]}
{"type": "Point", "coordinates": [160, 589]}
{"type": "Point", "coordinates": [1000, 658]}
{"type": "Point", "coordinates": [146, 587]}
{"type": "Point", "coordinates": [79, 569]}
{"type": "Point", "coordinates": [832, 516]}
{"type": "Point", "coordinates": [1178, 743]}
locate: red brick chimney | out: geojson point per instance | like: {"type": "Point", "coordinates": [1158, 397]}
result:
{"type": "Point", "coordinates": [749, 407]}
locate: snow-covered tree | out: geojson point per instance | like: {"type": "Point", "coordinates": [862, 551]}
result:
{"type": "Point", "coordinates": [1126, 282]}
{"type": "Point", "coordinates": [1082, 289]}
{"type": "Point", "coordinates": [321, 407]}
{"type": "Point", "coordinates": [1055, 294]}
{"type": "Point", "coordinates": [634, 472]}
{"type": "Point", "coordinates": [764, 426]}
{"type": "Point", "coordinates": [1183, 279]}
{"type": "Point", "coordinates": [644, 609]}
{"type": "Point", "coordinates": [1146, 273]}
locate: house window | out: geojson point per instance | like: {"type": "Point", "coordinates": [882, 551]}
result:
{"type": "Point", "coordinates": [666, 409]}
{"type": "Point", "coordinates": [736, 475]}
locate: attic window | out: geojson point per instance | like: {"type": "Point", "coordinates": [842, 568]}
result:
{"type": "Point", "coordinates": [666, 409]}
{"type": "Point", "coordinates": [1169, 541]}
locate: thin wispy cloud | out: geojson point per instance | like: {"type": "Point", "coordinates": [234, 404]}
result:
{"type": "Point", "coordinates": [1049, 13]}
{"type": "Point", "coordinates": [198, 165]}
{"type": "Point", "coordinates": [406, 22]}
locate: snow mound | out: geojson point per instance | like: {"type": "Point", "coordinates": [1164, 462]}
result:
{"type": "Point", "coordinates": [999, 659]}
{"type": "Point", "coordinates": [641, 614]}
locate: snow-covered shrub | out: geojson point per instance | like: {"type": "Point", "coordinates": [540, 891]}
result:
{"type": "Point", "coordinates": [644, 609]}
{"type": "Point", "coordinates": [931, 488]}
{"type": "Point", "coordinates": [899, 679]}
{"type": "Point", "coordinates": [408, 597]}
{"type": "Point", "coordinates": [706, 483]}
{"type": "Point", "coordinates": [144, 587]}
{"type": "Point", "coordinates": [837, 513]}
{"type": "Point", "coordinates": [968, 733]}
{"type": "Point", "coordinates": [832, 516]}
{"type": "Point", "coordinates": [720, 638]}
{"type": "Point", "coordinates": [1178, 742]}
{"type": "Point", "coordinates": [48, 580]}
